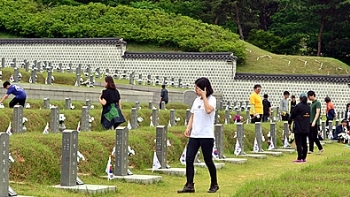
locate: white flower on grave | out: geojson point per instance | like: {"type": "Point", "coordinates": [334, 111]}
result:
{"type": "Point", "coordinates": [62, 117]}
{"type": "Point", "coordinates": [27, 106]}
{"type": "Point", "coordinates": [177, 119]}
{"type": "Point", "coordinates": [24, 120]}
{"type": "Point", "coordinates": [235, 135]}
{"type": "Point", "coordinates": [91, 119]}
{"type": "Point", "coordinates": [269, 134]}
{"type": "Point", "coordinates": [11, 158]}
{"type": "Point", "coordinates": [92, 107]}
{"type": "Point", "coordinates": [52, 78]}
{"type": "Point", "coordinates": [131, 151]}
{"type": "Point", "coordinates": [72, 106]}
{"type": "Point", "coordinates": [150, 117]}
{"type": "Point", "coordinates": [139, 119]}
{"type": "Point", "coordinates": [235, 107]}
{"type": "Point", "coordinates": [218, 116]}
{"type": "Point", "coordinates": [154, 107]}
{"type": "Point", "coordinates": [52, 106]}
{"type": "Point", "coordinates": [230, 116]}
{"type": "Point", "coordinates": [2, 106]}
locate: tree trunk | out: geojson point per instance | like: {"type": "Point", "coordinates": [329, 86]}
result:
{"type": "Point", "coordinates": [319, 41]}
{"type": "Point", "coordinates": [240, 30]}
{"type": "Point", "coordinates": [216, 19]}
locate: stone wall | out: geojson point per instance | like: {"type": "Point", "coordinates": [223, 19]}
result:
{"type": "Point", "coordinates": [110, 53]}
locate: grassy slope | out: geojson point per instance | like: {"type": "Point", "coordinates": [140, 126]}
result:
{"type": "Point", "coordinates": [277, 64]}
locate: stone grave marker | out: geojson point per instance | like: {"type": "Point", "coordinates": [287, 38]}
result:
{"type": "Point", "coordinates": [285, 133]}
{"type": "Point", "coordinates": [323, 129]}
{"type": "Point", "coordinates": [131, 78]}
{"type": "Point", "coordinates": [140, 79]}
{"type": "Point", "coordinates": [60, 68]}
{"type": "Point", "coordinates": [49, 77]}
{"type": "Point", "coordinates": [33, 75]}
{"type": "Point", "coordinates": [285, 130]}
{"type": "Point", "coordinates": [3, 62]}
{"type": "Point", "coordinates": [68, 103]}
{"type": "Point", "coordinates": [162, 105]}
{"type": "Point", "coordinates": [172, 117]}
{"type": "Point", "coordinates": [26, 66]}
{"type": "Point", "coordinates": [88, 103]}
{"type": "Point", "coordinates": [137, 105]}
{"type": "Point", "coordinates": [221, 106]}
{"type": "Point", "coordinates": [85, 115]}
{"type": "Point", "coordinates": [258, 136]}
{"type": "Point", "coordinates": [155, 117]}
{"type": "Point", "coordinates": [273, 133]}
{"type": "Point", "coordinates": [133, 121]}
{"type": "Point", "coordinates": [188, 115]}
{"type": "Point", "coordinates": [70, 65]}
{"type": "Point", "coordinates": [216, 116]}
{"type": "Point", "coordinates": [78, 80]}
{"type": "Point", "coordinates": [189, 96]}
{"type": "Point", "coordinates": [4, 165]}
{"type": "Point", "coordinates": [227, 116]}
{"type": "Point", "coordinates": [14, 62]}
{"type": "Point", "coordinates": [0, 75]}
{"type": "Point", "coordinates": [180, 84]}
{"type": "Point", "coordinates": [46, 103]}
{"type": "Point", "coordinates": [247, 114]}
{"type": "Point", "coordinates": [149, 79]}
{"type": "Point", "coordinates": [17, 119]}
{"type": "Point", "coordinates": [54, 120]}
{"type": "Point", "coordinates": [150, 105]}
{"type": "Point", "coordinates": [15, 74]}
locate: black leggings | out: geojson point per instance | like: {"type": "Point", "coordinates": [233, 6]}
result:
{"type": "Point", "coordinates": [207, 145]}
{"type": "Point", "coordinates": [300, 141]}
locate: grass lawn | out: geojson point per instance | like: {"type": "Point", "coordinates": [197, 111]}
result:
{"type": "Point", "coordinates": [231, 178]}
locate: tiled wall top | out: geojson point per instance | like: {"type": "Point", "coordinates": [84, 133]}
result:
{"type": "Point", "coordinates": [181, 55]}
{"type": "Point", "coordinates": [65, 41]}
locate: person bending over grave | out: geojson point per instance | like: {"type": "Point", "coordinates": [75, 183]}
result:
{"type": "Point", "coordinates": [342, 128]}
{"type": "Point", "coordinates": [256, 106]}
{"type": "Point", "coordinates": [200, 131]}
{"type": "Point", "coordinates": [20, 94]}
{"type": "Point", "coordinates": [301, 118]}
{"type": "Point", "coordinates": [111, 116]}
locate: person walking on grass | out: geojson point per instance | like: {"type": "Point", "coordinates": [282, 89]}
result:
{"type": "Point", "coordinates": [20, 94]}
{"type": "Point", "coordinates": [200, 131]}
{"type": "Point", "coordinates": [315, 113]}
{"type": "Point", "coordinates": [301, 117]}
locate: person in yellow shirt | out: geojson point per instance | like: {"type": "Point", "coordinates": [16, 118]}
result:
{"type": "Point", "coordinates": [256, 106]}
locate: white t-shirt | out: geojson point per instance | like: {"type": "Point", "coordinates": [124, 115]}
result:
{"type": "Point", "coordinates": [203, 123]}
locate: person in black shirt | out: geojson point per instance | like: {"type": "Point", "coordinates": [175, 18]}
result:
{"type": "Point", "coordinates": [111, 116]}
{"type": "Point", "coordinates": [163, 96]}
{"type": "Point", "coordinates": [293, 103]}
{"type": "Point", "coordinates": [301, 118]}
{"type": "Point", "coordinates": [267, 108]}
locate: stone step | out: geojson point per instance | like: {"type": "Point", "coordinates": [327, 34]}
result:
{"type": "Point", "coordinates": [272, 153]}
{"type": "Point", "coordinates": [142, 179]}
{"type": "Point", "coordinates": [234, 160]}
{"type": "Point", "coordinates": [284, 150]}
{"type": "Point", "coordinates": [256, 156]}
{"type": "Point", "coordinates": [172, 171]}
{"type": "Point", "coordinates": [91, 189]}
{"type": "Point", "coordinates": [203, 165]}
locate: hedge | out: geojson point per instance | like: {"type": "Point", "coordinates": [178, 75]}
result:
{"type": "Point", "coordinates": [27, 18]}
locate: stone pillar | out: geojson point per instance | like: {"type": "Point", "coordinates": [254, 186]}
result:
{"type": "Point", "coordinates": [3, 62]}
{"type": "Point", "coordinates": [219, 140]}
{"type": "Point", "coordinates": [258, 135]}
{"type": "Point", "coordinates": [161, 145]}
{"type": "Point", "coordinates": [273, 133]}
{"type": "Point", "coordinates": [78, 80]}
{"type": "Point", "coordinates": [60, 67]}
{"type": "Point", "coordinates": [342, 114]}
{"type": "Point", "coordinates": [69, 167]}
{"type": "Point", "coordinates": [337, 122]}
{"type": "Point", "coordinates": [133, 121]}
{"type": "Point", "coordinates": [85, 119]}
{"type": "Point", "coordinates": [188, 115]}
{"type": "Point", "coordinates": [216, 116]}
{"type": "Point", "coordinates": [49, 77]}
{"type": "Point", "coordinates": [46, 103]}
{"type": "Point", "coordinates": [33, 75]}
{"type": "Point", "coordinates": [277, 114]}
{"type": "Point", "coordinates": [17, 119]}
{"type": "Point", "coordinates": [172, 117]}
{"type": "Point", "coordinates": [338, 116]}
{"type": "Point", "coordinates": [4, 164]}
{"type": "Point", "coordinates": [240, 136]}
{"type": "Point", "coordinates": [121, 151]}
{"type": "Point", "coordinates": [221, 106]}
{"type": "Point", "coordinates": [68, 103]}
{"type": "Point", "coordinates": [323, 127]}
{"type": "Point", "coordinates": [137, 105]}
{"type": "Point", "coordinates": [15, 74]}
{"type": "Point", "coordinates": [330, 126]}
{"type": "Point", "coordinates": [150, 105]}
{"type": "Point", "coordinates": [26, 66]}
{"type": "Point", "coordinates": [155, 117]}
{"type": "Point", "coordinates": [54, 121]}
{"type": "Point", "coordinates": [247, 114]}
{"type": "Point", "coordinates": [227, 116]}
{"type": "Point", "coordinates": [162, 105]}
{"type": "Point", "coordinates": [88, 103]}
{"type": "Point", "coordinates": [285, 130]}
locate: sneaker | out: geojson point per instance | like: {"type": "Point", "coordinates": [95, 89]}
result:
{"type": "Point", "coordinates": [213, 188]}
{"type": "Point", "coordinates": [304, 160]}
{"type": "Point", "coordinates": [320, 152]}
{"type": "Point", "coordinates": [309, 152]}
{"type": "Point", "coordinates": [298, 161]}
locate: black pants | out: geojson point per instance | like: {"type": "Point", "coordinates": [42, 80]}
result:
{"type": "Point", "coordinates": [207, 145]}
{"type": "Point", "coordinates": [300, 141]}
{"type": "Point", "coordinates": [313, 138]}
{"type": "Point", "coordinates": [327, 123]}
{"type": "Point", "coordinates": [160, 104]}
{"type": "Point", "coordinates": [16, 101]}
{"type": "Point", "coordinates": [255, 119]}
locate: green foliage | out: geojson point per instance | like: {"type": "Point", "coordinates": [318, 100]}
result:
{"type": "Point", "coordinates": [139, 25]}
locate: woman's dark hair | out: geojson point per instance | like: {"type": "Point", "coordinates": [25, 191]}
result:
{"type": "Point", "coordinates": [110, 83]}
{"type": "Point", "coordinates": [204, 83]}
{"type": "Point", "coordinates": [327, 99]}
{"type": "Point", "coordinates": [347, 105]}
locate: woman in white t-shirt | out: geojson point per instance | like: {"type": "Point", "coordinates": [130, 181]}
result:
{"type": "Point", "coordinates": [200, 131]}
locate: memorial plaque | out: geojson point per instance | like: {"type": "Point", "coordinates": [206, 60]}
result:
{"type": "Point", "coordinates": [273, 133]}
{"type": "Point", "coordinates": [219, 140]}
{"type": "Point", "coordinates": [69, 166]}
{"type": "Point", "coordinates": [172, 117]}
{"type": "Point", "coordinates": [161, 145]}
{"type": "Point", "coordinates": [189, 96]}
{"type": "Point", "coordinates": [4, 166]}
{"type": "Point", "coordinates": [54, 120]}
{"type": "Point", "coordinates": [258, 135]}
{"type": "Point", "coordinates": [121, 151]}
{"type": "Point", "coordinates": [155, 117]}
{"type": "Point", "coordinates": [85, 115]}
{"type": "Point", "coordinates": [17, 119]}
{"type": "Point", "coordinates": [240, 136]}
{"type": "Point", "coordinates": [133, 121]}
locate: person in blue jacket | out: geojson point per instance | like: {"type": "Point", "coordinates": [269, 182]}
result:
{"type": "Point", "coordinates": [20, 94]}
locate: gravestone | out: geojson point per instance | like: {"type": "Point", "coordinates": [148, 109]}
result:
{"type": "Point", "coordinates": [278, 115]}
{"type": "Point", "coordinates": [155, 117]}
{"type": "Point", "coordinates": [68, 103]}
{"type": "Point", "coordinates": [69, 165]}
{"type": "Point", "coordinates": [247, 114]}
{"type": "Point", "coordinates": [133, 121]}
{"type": "Point", "coordinates": [14, 63]}
{"type": "Point", "coordinates": [0, 75]}
{"type": "Point", "coordinates": [221, 106]}
{"type": "Point", "coordinates": [149, 79]}
{"type": "Point", "coordinates": [121, 151]}
{"type": "Point", "coordinates": [33, 75]}
{"type": "Point", "coordinates": [116, 74]}
{"type": "Point", "coordinates": [150, 105]}
{"type": "Point", "coordinates": [137, 105]}
{"type": "Point", "coordinates": [161, 145]}
{"type": "Point", "coordinates": [17, 119]}
{"type": "Point", "coordinates": [26, 66]}
{"type": "Point", "coordinates": [77, 80]}
{"type": "Point", "coordinates": [91, 80]}
{"type": "Point", "coordinates": [336, 122]}
{"type": "Point", "coordinates": [162, 105]}
{"type": "Point", "coordinates": [156, 80]}
{"type": "Point", "coordinates": [172, 117]}
{"type": "Point", "coordinates": [219, 140]}
{"type": "Point", "coordinates": [140, 79]}
{"type": "Point", "coordinates": [342, 114]}
{"type": "Point", "coordinates": [323, 129]}
{"type": "Point", "coordinates": [78, 69]}
{"type": "Point", "coordinates": [172, 82]}
{"type": "Point", "coordinates": [240, 136]}
{"type": "Point", "coordinates": [15, 74]}
{"type": "Point", "coordinates": [180, 84]}
{"type": "Point", "coordinates": [97, 73]}
{"type": "Point", "coordinates": [189, 96]}
{"type": "Point", "coordinates": [338, 116]}
{"type": "Point", "coordinates": [46, 103]}
{"type": "Point", "coordinates": [258, 135]}
{"type": "Point", "coordinates": [188, 115]}
{"type": "Point", "coordinates": [88, 103]}
{"type": "Point", "coordinates": [4, 165]}
{"type": "Point", "coordinates": [216, 116]}
{"type": "Point", "coordinates": [70, 65]}
{"type": "Point", "coordinates": [285, 130]}
{"type": "Point", "coordinates": [227, 116]}
{"type": "Point", "coordinates": [54, 120]}
{"type": "Point", "coordinates": [131, 78]}
{"type": "Point", "coordinates": [85, 116]}
{"type": "Point", "coordinates": [273, 133]}
{"type": "Point", "coordinates": [59, 67]}
{"type": "Point", "coordinates": [330, 126]}
{"type": "Point", "coordinates": [49, 77]}
{"type": "Point", "coordinates": [3, 62]}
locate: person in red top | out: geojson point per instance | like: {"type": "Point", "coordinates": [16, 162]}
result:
{"type": "Point", "coordinates": [330, 111]}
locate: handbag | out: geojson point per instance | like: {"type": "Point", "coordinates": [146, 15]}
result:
{"type": "Point", "coordinates": [115, 115]}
